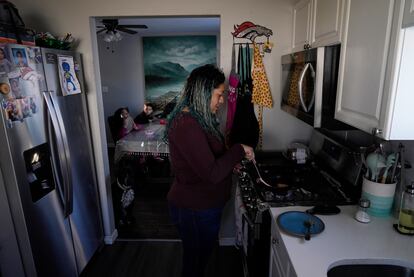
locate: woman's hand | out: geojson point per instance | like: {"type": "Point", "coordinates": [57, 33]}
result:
{"type": "Point", "coordinates": [248, 151]}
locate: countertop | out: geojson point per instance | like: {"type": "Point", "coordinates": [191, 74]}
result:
{"type": "Point", "coordinates": [345, 241]}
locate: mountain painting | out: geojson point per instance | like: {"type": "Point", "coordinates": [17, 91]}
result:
{"type": "Point", "coordinates": [169, 60]}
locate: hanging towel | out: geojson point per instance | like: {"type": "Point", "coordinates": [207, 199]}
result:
{"type": "Point", "coordinates": [245, 127]}
{"type": "Point", "coordinates": [261, 90]}
{"type": "Point", "coordinates": [234, 79]}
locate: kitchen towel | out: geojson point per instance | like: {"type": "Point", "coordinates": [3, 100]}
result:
{"type": "Point", "coordinates": [261, 95]}
{"type": "Point", "coordinates": [234, 79]}
{"type": "Point", "coordinates": [245, 127]}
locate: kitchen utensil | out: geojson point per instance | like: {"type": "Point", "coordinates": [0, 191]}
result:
{"type": "Point", "coordinates": [308, 225]}
{"type": "Point", "coordinates": [380, 166]}
{"type": "Point", "coordinates": [402, 162]}
{"type": "Point", "coordinates": [400, 180]}
{"type": "Point", "coordinates": [375, 161]}
{"type": "Point", "coordinates": [300, 224]}
{"type": "Point", "coordinates": [391, 160]}
{"type": "Point", "coordinates": [259, 175]}
{"type": "Point", "coordinates": [365, 165]}
{"type": "Point", "coordinates": [394, 167]}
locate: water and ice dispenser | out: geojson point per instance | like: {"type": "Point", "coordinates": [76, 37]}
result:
{"type": "Point", "coordinates": [39, 171]}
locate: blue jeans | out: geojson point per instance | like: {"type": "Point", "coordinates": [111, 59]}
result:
{"type": "Point", "coordinates": [198, 231]}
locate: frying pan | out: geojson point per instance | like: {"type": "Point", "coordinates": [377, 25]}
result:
{"type": "Point", "coordinates": [277, 184]}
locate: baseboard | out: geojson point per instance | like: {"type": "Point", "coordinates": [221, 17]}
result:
{"type": "Point", "coordinates": [111, 239]}
{"type": "Point", "coordinates": [227, 241]}
{"type": "Point", "coordinates": [151, 240]}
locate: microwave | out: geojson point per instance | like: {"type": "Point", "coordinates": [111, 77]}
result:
{"type": "Point", "coordinates": [309, 82]}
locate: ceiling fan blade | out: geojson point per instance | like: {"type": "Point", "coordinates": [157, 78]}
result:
{"type": "Point", "coordinates": [100, 31]}
{"type": "Point", "coordinates": [134, 26]}
{"type": "Point", "coordinates": [119, 28]}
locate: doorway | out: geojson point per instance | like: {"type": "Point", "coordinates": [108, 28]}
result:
{"type": "Point", "coordinates": [146, 60]}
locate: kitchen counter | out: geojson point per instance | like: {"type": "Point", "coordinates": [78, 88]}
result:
{"type": "Point", "coordinates": [346, 241]}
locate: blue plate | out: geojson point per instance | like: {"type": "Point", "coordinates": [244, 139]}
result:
{"type": "Point", "coordinates": [294, 223]}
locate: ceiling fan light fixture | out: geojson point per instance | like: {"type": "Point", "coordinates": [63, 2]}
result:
{"type": "Point", "coordinates": [111, 36]}
{"type": "Point", "coordinates": [117, 36]}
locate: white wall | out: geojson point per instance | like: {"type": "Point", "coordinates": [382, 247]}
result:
{"type": "Point", "coordinates": [73, 16]}
{"type": "Point", "coordinates": [122, 73]}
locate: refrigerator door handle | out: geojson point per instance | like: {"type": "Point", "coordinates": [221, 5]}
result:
{"type": "Point", "coordinates": [63, 153]}
{"type": "Point", "coordinates": [55, 171]}
{"type": "Point", "coordinates": [68, 172]}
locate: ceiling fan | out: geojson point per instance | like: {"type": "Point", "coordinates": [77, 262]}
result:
{"type": "Point", "coordinates": [113, 25]}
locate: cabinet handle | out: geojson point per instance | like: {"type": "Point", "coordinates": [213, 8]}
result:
{"type": "Point", "coordinates": [376, 131]}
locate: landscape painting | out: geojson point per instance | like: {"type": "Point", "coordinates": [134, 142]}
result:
{"type": "Point", "coordinates": [169, 60]}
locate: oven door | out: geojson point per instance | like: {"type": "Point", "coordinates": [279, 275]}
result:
{"type": "Point", "coordinates": [300, 86]}
{"type": "Point", "coordinates": [247, 230]}
{"type": "Point", "coordinates": [256, 244]}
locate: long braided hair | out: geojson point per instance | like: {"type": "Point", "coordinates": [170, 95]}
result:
{"type": "Point", "coordinates": [196, 96]}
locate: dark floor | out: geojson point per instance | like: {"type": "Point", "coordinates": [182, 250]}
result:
{"type": "Point", "coordinates": [157, 259]}
{"type": "Point", "coordinates": [150, 257]}
{"type": "Point", "coordinates": [150, 208]}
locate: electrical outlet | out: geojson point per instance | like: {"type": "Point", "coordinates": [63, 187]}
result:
{"type": "Point", "coordinates": [105, 89]}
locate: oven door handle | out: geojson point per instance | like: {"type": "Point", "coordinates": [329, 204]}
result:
{"type": "Point", "coordinates": [300, 82]}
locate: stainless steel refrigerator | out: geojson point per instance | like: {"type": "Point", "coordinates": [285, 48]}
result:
{"type": "Point", "coordinates": [47, 160]}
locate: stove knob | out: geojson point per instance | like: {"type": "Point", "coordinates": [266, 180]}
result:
{"type": "Point", "coordinates": [244, 180]}
{"type": "Point", "coordinates": [247, 189]}
{"type": "Point", "coordinates": [250, 206]}
{"type": "Point", "coordinates": [247, 198]}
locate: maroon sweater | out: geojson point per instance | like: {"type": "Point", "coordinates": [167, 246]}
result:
{"type": "Point", "coordinates": [201, 164]}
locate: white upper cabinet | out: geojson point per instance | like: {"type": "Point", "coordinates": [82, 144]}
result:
{"type": "Point", "coordinates": [370, 81]}
{"type": "Point", "coordinates": [301, 24]}
{"type": "Point", "coordinates": [399, 108]}
{"type": "Point", "coordinates": [326, 22]}
{"type": "Point", "coordinates": [408, 13]}
{"type": "Point", "coordinates": [317, 23]}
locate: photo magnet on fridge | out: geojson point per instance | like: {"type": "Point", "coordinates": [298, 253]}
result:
{"type": "Point", "coordinates": [68, 80]}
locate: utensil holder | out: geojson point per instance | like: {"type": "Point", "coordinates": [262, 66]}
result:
{"type": "Point", "coordinates": [380, 195]}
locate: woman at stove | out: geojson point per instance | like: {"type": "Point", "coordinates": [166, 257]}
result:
{"type": "Point", "coordinates": [202, 166]}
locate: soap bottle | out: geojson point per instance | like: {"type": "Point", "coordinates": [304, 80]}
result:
{"type": "Point", "coordinates": [406, 217]}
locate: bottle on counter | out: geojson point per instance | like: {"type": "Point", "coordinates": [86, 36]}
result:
{"type": "Point", "coordinates": [362, 215]}
{"type": "Point", "coordinates": [406, 217]}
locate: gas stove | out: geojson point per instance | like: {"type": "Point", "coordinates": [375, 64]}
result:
{"type": "Point", "coordinates": [331, 178]}
{"type": "Point", "coordinates": [292, 185]}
